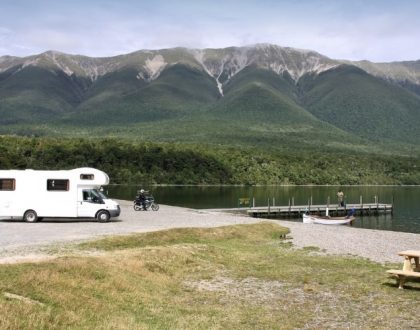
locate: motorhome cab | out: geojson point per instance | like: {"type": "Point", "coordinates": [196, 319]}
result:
{"type": "Point", "coordinates": [32, 195]}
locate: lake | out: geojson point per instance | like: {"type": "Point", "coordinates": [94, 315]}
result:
{"type": "Point", "coordinates": [406, 199]}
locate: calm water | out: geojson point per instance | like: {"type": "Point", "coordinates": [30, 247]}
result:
{"type": "Point", "coordinates": [406, 216]}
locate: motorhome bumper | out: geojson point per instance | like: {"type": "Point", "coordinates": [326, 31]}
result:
{"type": "Point", "coordinates": [116, 212]}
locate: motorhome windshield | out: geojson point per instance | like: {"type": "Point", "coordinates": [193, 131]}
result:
{"type": "Point", "coordinates": [100, 193]}
{"type": "Point", "coordinates": [93, 195]}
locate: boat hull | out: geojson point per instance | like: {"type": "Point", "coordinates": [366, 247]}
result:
{"type": "Point", "coordinates": [307, 218]}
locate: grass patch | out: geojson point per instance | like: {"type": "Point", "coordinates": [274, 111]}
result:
{"type": "Point", "coordinates": [241, 277]}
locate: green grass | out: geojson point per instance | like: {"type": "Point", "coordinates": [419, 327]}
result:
{"type": "Point", "coordinates": [239, 277]}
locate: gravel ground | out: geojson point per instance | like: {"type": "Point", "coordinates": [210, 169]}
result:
{"type": "Point", "coordinates": [377, 245]}
{"type": "Point", "coordinates": [21, 241]}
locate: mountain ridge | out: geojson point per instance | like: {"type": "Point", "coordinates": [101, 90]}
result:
{"type": "Point", "coordinates": [264, 94]}
{"type": "Point", "coordinates": [220, 63]}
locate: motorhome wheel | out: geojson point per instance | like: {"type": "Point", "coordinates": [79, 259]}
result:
{"type": "Point", "coordinates": [103, 216]}
{"type": "Point", "coordinates": [30, 216]}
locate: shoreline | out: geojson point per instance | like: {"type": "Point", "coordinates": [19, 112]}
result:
{"type": "Point", "coordinates": [24, 242]}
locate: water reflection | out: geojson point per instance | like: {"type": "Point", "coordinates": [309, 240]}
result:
{"type": "Point", "coordinates": [383, 222]}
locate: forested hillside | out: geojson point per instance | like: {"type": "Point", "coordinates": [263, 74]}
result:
{"type": "Point", "coordinates": [164, 163]}
{"type": "Point", "coordinates": [255, 96]}
{"type": "Point", "coordinates": [261, 114]}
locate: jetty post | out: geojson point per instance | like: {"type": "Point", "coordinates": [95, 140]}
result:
{"type": "Point", "coordinates": [392, 205]}
{"type": "Point", "coordinates": [327, 210]}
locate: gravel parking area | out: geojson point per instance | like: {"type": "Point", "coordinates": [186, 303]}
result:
{"type": "Point", "coordinates": [20, 241]}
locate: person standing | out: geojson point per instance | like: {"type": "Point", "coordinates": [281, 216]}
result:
{"type": "Point", "coordinates": [340, 197]}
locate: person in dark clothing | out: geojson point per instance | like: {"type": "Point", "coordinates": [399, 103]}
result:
{"type": "Point", "coordinates": [142, 198]}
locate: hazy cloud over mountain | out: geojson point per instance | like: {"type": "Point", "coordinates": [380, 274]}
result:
{"type": "Point", "coordinates": [376, 30]}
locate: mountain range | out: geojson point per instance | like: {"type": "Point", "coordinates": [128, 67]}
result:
{"type": "Point", "coordinates": [260, 95]}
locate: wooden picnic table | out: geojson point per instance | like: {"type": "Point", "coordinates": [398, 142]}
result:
{"type": "Point", "coordinates": [411, 267]}
{"type": "Point", "coordinates": [410, 256]}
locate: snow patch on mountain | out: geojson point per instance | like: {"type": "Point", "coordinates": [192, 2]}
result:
{"type": "Point", "coordinates": [224, 64]}
{"type": "Point", "coordinates": [61, 66]}
{"type": "Point", "coordinates": [236, 62]}
{"type": "Point", "coordinates": [90, 68]}
{"type": "Point", "coordinates": [212, 69]}
{"type": "Point", "coordinates": [298, 69]}
{"type": "Point", "coordinates": [153, 68]}
{"type": "Point", "coordinates": [219, 84]}
{"type": "Point", "coordinates": [296, 62]}
{"type": "Point", "coordinates": [31, 62]}
{"type": "Point", "coordinates": [221, 66]}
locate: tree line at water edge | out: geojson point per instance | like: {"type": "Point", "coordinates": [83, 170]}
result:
{"type": "Point", "coordinates": [139, 162]}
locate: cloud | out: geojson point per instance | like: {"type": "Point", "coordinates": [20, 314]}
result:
{"type": "Point", "coordinates": [379, 31]}
{"type": "Point", "coordinates": [5, 37]}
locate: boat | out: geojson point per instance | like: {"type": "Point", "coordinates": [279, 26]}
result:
{"type": "Point", "coordinates": [327, 220]}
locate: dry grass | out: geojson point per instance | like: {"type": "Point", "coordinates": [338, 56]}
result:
{"type": "Point", "coordinates": [240, 277]}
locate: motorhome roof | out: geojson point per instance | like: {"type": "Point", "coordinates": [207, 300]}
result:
{"type": "Point", "coordinates": [83, 175]}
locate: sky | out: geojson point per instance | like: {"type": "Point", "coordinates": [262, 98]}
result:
{"type": "Point", "coordinates": [379, 31]}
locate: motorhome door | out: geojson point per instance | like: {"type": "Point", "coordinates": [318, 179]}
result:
{"type": "Point", "coordinates": [89, 201]}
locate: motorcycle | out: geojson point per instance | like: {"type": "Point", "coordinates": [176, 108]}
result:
{"type": "Point", "coordinates": [149, 203]}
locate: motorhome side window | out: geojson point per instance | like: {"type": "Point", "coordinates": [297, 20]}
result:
{"type": "Point", "coordinates": [57, 185]}
{"type": "Point", "coordinates": [87, 176]}
{"type": "Point", "coordinates": [7, 184]}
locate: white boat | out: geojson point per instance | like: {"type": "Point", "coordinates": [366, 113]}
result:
{"type": "Point", "coordinates": [327, 220]}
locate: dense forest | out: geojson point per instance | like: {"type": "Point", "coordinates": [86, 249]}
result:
{"type": "Point", "coordinates": [169, 163]}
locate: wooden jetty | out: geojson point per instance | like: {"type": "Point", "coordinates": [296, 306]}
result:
{"type": "Point", "coordinates": [296, 211]}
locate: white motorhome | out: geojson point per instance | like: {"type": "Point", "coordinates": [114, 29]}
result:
{"type": "Point", "coordinates": [33, 195]}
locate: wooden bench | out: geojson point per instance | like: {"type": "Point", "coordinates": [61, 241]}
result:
{"type": "Point", "coordinates": [410, 269]}
{"type": "Point", "coordinates": [402, 276]}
